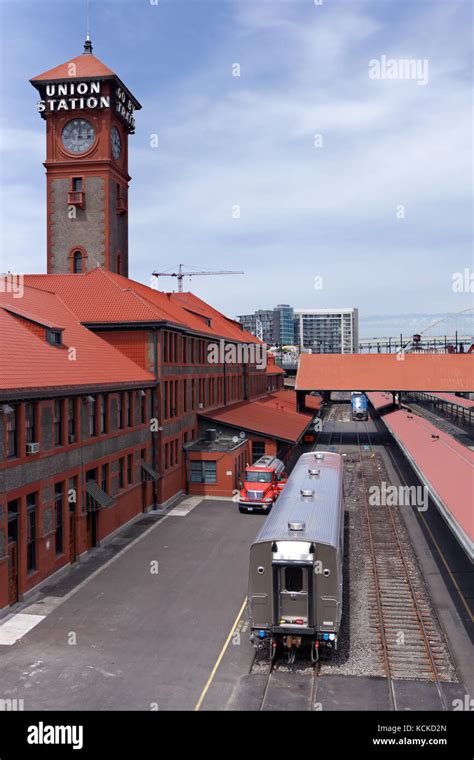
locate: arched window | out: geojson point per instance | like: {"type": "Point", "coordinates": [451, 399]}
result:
{"type": "Point", "coordinates": [77, 262]}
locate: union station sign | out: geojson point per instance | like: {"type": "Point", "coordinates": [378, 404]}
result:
{"type": "Point", "coordinates": [80, 96]}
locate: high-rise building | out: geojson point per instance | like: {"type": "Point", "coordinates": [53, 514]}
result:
{"type": "Point", "coordinates": [283, 325]}
{"type": "Point", "coordinates": [276, 325]}
{"type": "Point", "coordinates": [260, 323]}
{"type": "Point", "coordinates": [327, 331]}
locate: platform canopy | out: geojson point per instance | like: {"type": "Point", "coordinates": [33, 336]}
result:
{"type": "Point", "coordinates": [386, 372]}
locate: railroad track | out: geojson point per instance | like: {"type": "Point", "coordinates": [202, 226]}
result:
{"type": "Point", "coordinates": [286, 686]}
{"type": "Point", "coordinates": [411, 644]}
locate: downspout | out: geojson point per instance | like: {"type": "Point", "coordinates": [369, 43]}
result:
{"type": "Point", "coordinates": [154, 406]}
{"type": "Point", "coordinates": [225, 378]}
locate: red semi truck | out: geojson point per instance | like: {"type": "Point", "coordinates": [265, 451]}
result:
{"type": "Point", "coordinates": [263, 482]}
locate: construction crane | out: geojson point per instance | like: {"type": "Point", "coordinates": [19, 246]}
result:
{"type": "Point", "coordinates": [181, 275]}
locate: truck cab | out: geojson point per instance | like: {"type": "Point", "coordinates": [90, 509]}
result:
{"type": "Point", "coordinates": [262, 483]}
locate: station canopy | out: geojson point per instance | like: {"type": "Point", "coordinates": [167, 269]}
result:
{"type": "Point", "coordinates": [386, 372]}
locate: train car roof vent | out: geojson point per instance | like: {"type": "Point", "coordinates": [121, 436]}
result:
{"type": "Point", "coordinates": [314, 472]}
{"type": "Point", "coordinates": [319, 456]}
{"type": "Point", "coordinates": [307, 492]}
{"type": "Point", "coordinates": [296, 525]}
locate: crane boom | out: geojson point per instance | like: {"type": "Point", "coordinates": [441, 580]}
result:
{"type": "Point", "coordinates": [180, 274]}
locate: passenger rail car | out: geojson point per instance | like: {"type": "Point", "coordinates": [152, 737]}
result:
{"type": "Point", "coordinates": [295, 577]}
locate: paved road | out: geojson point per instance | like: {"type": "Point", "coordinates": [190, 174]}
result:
{"type": "Point", "coordinates": [142, 639]}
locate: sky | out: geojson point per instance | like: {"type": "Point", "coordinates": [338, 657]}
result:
{"type": "Point", "coordinates": [327, 183]}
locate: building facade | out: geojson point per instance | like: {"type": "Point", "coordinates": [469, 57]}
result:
{"type": "Point", "coordinates": [327, 331]}
{"type": "Point", "coordinates": [274, 326]}
{"type": "Point", "coordinates": [283, 325]}
{"type": "Point", "coordinates": [107, 386]}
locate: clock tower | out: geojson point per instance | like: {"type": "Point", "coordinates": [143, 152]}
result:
{"type": "Point", "coordinates": [89, 115]}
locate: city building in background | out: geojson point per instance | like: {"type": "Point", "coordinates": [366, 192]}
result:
{"type": "Point", "coordinates": [327, 331]}
{"type": "Point", "coordinates": [274, 326]}
{"type": "Point", "coordinates": [283, 325]}
{"type": "Point", "coordinates": [260, 324]}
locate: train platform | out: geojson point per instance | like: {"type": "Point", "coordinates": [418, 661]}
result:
{"type": "Point", "coordinates": [380, 400]}
{"type": "Point", "coordinates": [443, 465]}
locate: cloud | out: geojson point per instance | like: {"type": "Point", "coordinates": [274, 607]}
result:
{"type": "Point", "coordinates": [305, 210]}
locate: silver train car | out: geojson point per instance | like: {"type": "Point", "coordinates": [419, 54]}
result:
{"type": "Point", "coordinates": [295, 578]}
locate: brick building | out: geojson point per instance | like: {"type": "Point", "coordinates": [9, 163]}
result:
{"type": "Point", "coordinates": [107, 386]}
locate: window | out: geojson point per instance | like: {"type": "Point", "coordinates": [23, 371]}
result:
{"type": "Point", "coordinates": [58, 514]}
{"type": "Point", "coordinates": [122, 472]}
{"type": "Point", "coordinates": [71, 419]}
{"type": "Point", "coordinates": [142, 406]}
{"type": "Point", "coordinates": [30, 422]}
{"type": "Point", "coordinates": [120, 411]}
{"type": "Point", "coordinates": [105, 477]}
{"type": "Point", "coordinates": [103, 413]}
{"type": "Point", "coordinates": [130, 469]}
{"type": "Point", "coordinates": [294, 579]}
{"type": "Point", "coordinates": [77, 262]}
{"type": "Point", "coordinates": [77, 184]}
{"type": "Point", "coordinates": [258, 477]}
{"type": "Point", "coordinates": [118, 264]}
{"type": "Point", "coordinates": [12, 510]}
{"type": "Point", "coordinates": [31, 532]}
{"type": "Point", "coordinates": [58, 422]}
{"type": "Point", "coordinates": [12, 432]}
{"type": "Point", "coordinates": [203, 472]}
{"type": "Point", "coordinates": [128, 408]}
{"type": "Point", "coordinates": [92, 422]}
{"type": "Point", "coordinates": [258, 450]}
{"type": "Point", "coordinates": [54, 337]}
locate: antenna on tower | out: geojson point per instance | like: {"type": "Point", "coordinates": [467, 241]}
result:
{"type": "Point", "coordinates": [88, 43]}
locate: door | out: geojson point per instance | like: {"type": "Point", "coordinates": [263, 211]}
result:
{"type": "Point", "coordinates": [12, 573]}
{"type": "Point", "coordinates": [91, 529]}
{"type": "Point", "coordinates": [293, 594]}
{"type": "Point", "coordinates": [72, 536]}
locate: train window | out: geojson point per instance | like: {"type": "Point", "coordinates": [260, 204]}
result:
{"type": "Point", "coordinates": [294, 578]}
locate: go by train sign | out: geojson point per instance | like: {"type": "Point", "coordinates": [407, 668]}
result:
{"type": "Point", "coordinates": [88, 95]}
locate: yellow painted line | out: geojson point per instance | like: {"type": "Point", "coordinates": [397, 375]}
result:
{"type": "Point", "coordinates": [221, 655]}
{"type": "Point", "coordinates": [453, 579]}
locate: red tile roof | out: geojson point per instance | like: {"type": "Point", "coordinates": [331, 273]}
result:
{"type": "Point", "coordinates": [272, 367]}
{"type": "Point", "coordinates": [467, 403]}
{"type": "Point", "coordinates": [86, 66]}
{"type": "Point", "coordinates": [99, 296]}
{"type": "Point", "coordinates": [447, 465]}
{"type": "Point", "coordinates": [30, 362]}
{"type": "Point", "coordinates": [380, 400]}
{"type": "Point", "coordinates": [287, 399]}
{"type": "Point", "coordinates": [384, 372]}
{"type": "Point", "coordinates": [271, 416]}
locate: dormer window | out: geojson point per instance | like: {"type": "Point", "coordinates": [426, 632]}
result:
{"type": "Point", "coordinates": [54, 337]}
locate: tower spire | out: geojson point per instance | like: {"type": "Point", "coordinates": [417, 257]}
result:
{"type": "Point", "coordinates": [88, 43]}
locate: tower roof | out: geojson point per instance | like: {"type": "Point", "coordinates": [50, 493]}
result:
{"type": "Point", "coordinates": [86, 65]}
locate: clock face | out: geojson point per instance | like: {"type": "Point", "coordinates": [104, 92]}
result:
{"type": "Point", "coordinates": [116, 142]}
{"type": "Point", "coordinates": [78, 135]}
